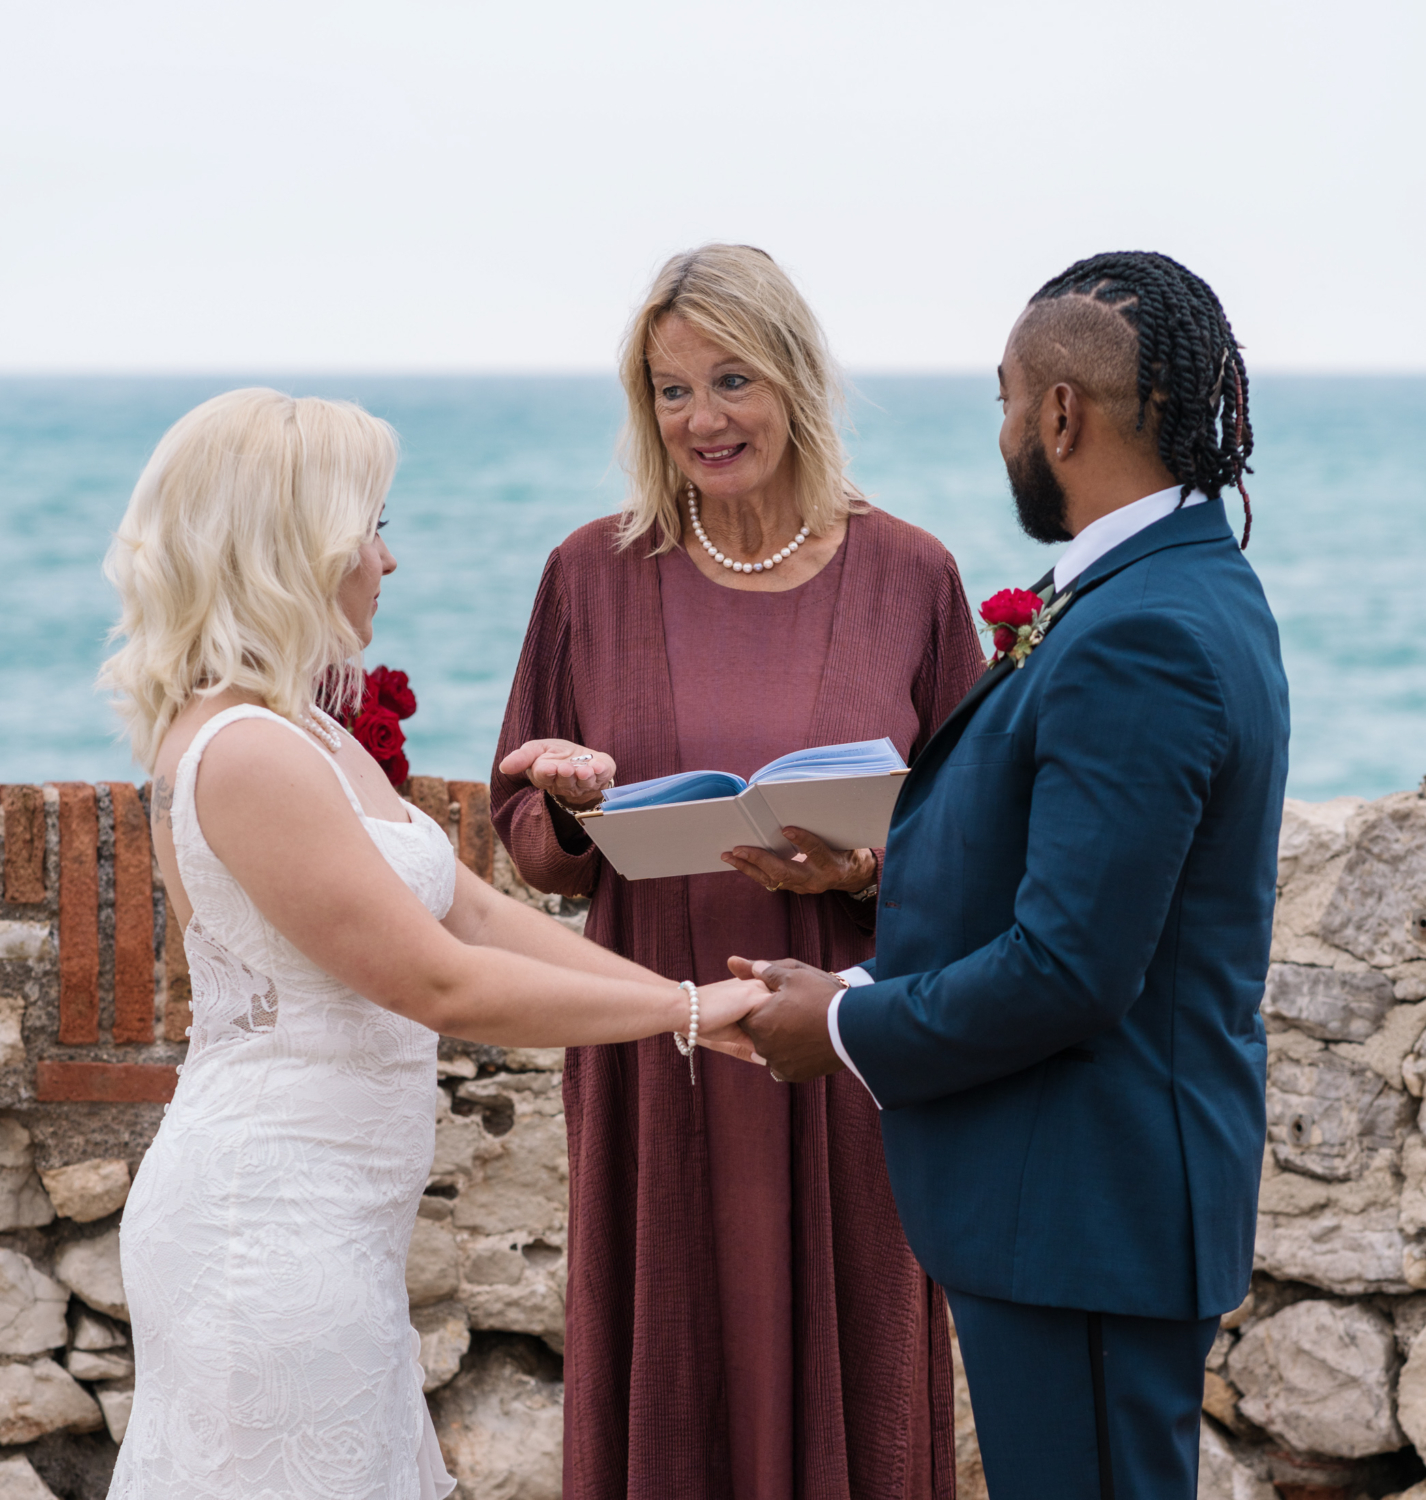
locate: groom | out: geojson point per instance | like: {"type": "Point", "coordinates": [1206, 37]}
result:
{"type": "Point", "coordinates": [1061, 1023]}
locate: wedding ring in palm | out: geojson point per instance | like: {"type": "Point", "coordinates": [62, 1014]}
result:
{"type": "Point", "coordinates": [688, 1045]}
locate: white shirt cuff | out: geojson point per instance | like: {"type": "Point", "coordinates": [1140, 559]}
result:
{"type": "Point", "coordinates": [854, 976]}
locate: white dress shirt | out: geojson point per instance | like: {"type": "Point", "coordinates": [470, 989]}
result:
{"type": "Point", "coordinates": [1088, 547]}
{"type": "Point", "coordinates": [1107, 532]}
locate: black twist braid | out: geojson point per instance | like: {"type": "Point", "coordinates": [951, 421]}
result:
{"type": "Point", "coordinates": [1188, 358]}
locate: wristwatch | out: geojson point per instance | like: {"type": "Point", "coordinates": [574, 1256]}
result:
{"type": "Point", "coordinates": [867, 893]}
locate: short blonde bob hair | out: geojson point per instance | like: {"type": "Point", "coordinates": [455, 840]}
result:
{"type": "Point", "coordinates": [230, 555]}
{"type": "Point", "coordinates": [739, 297]}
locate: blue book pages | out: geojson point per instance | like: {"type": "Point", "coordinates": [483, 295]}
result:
{"type": "Point", "coordinates": [686, 786]}
{"type": "Point", "coordinates": [863, 758]}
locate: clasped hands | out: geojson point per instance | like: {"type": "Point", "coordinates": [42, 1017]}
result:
{"type": "Point", "coordinates": [788, 1029]}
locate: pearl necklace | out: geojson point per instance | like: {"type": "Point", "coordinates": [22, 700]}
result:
{"type": "Point", "coordinates": [314, 726]}
{"type": "Point", "coordinates": [765, 566]}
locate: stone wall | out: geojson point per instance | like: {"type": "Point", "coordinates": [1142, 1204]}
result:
{"type": "Point", "coordinates": [94, 1008]}
{"type": "Point", "coordinates": [1315, 1387]}
{"type": "Point", "coordinates": [1319, 1379]}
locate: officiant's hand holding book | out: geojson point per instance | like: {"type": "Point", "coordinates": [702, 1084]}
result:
{"type": "Point", "coordinates": [814, 870]}
{"type": "Point", "coordinates": [842, 795]}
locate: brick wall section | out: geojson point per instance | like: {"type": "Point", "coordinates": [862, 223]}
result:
{"type": "Point", "coordinates": [77, 1057]}
{"type": "Point", "coordinates": [133, 918]}
{"type": "Point", "coordinates": [78, 913]}
{"type": "Point", "coordinates": [475, 837]}
{"type": "Point", "coordinates": [24, 845]}
{"type": "Point", "coordinates": [104, 1083]}
{"type": "Point", "coordinates": [430, 795]}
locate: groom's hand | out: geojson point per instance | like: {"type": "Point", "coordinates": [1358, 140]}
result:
{"type": "Point", "coordinates": [789, 1028]}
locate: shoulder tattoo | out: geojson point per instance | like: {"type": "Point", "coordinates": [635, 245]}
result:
{"type": "Point", "coordinates": [163, 802]}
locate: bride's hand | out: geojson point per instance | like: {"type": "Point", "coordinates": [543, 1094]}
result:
{"type": "Point", "coordinates": [720, 1007]}
{"type": "Point", "coordinates": [571, 772]}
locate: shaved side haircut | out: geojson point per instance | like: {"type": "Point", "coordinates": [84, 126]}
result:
{"type": "Point", "coordinates": [1186, 381]}
{"type": "Point", "coordinates": [1087, 344]}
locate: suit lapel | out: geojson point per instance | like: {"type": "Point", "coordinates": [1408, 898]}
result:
{"type": "Point", "coordinates": [1201, 523]}
{"type": "Point", "coordinates": [948, 736]}
{"type": "Point", "coordinates": [953, 726]}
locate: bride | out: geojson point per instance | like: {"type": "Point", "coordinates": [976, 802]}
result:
{"type": "Point", "coordinates": [331, 935]}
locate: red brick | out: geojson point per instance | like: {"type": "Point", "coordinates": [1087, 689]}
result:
{"type": "Point", "coordinates": [78, 913]}
{"type": "Point", "coordinates": [24, 845]}
{"type": "Point", "coordinates": [178, 987]}
{"type": "Point", "coordinates": [475, 844]}
{"type": "Point", "coordinates": [104, 1083]}
{"type": "Point", "coordinates": [430, 795]}
{"type": "Point", "coordinates": [133, 917]}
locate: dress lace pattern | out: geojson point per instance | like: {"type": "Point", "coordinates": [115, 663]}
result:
{"type": "Point", "coordinates": [264, 1241]}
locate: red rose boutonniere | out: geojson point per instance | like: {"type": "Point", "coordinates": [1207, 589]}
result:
{"type": "Point", "coordinates": [374, 721]}
{"type": "Point", "coordinates": [1016, 621]}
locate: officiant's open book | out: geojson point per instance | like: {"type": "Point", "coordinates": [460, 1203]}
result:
{"type": "Point", "coordinates": [679, 825]}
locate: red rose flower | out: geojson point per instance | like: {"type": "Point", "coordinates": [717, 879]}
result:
{"type": "Point", "coordinates": [397, 768]}
{"type": "Point", "coordinates": [1004, 638]}
{"type": "Point", "coordinates": [392, 690]}
{"type": "Point", "coordinates": [378, 731]}
{"type": "Point", "coordinates": [1012, 607]}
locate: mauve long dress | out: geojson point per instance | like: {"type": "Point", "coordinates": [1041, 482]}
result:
{"type": "Point", "coordinates": [745, 669]}
{"type": "Point", "coordinates": [745, 1320]}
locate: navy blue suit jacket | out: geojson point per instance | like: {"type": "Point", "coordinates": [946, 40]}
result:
{"type": "Point", "coordinates": [1072, 941]}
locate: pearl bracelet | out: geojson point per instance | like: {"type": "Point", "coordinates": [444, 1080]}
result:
{"type": "Point", "coordinates": [688, 1045]}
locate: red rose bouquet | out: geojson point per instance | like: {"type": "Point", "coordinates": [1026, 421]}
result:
{"type": "Point", "coordinates": [374, 721]}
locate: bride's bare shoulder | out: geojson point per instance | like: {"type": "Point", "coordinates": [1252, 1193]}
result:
{"type": "Point", "coordinates": [257, 752]}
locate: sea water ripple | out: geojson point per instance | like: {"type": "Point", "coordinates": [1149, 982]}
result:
{"type": "Point", "coordinates": [496, 470]}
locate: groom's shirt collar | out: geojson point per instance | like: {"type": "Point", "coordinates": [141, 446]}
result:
{"type": "Point", "coordinates": [1107, 532]}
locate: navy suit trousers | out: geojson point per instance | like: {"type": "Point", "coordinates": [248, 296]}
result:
{"type": "Point", "coordinates": [1083, 1406]}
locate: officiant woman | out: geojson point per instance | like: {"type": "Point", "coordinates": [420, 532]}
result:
{"type": "Point", "coordinates": [744, 1316]}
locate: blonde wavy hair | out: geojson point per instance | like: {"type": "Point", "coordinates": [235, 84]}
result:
{"type": "Point", "coordinates": [739, 297]}
{"type": "Point", "coordinates": [230, 555]}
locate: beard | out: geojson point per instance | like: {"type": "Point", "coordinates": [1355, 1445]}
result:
{"type": "Point", "coordinates": [1039, 498]}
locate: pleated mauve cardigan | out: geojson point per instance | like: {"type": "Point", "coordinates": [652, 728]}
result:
{"type": "Point", "coordinates": [644, 1415]}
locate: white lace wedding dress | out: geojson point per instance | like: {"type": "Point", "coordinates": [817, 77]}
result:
{"type": "Point", "coordinates": [264, 1242]}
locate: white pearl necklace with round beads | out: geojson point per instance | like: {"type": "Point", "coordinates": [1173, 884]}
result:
{"type": "Point", "coordinates": [321, 727]}
{"type": "Point", "coordinates": [765, 566]}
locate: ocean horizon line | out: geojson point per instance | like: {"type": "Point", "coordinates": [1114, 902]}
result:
{"type": "Point", "coordinates": [590, 372]}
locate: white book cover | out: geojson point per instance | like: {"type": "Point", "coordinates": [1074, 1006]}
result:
{"type": "Point", "coordinates": [687, 838]}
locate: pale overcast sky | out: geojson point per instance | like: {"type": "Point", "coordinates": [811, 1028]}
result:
{"type": "Point", "coordinates": [458, 185]}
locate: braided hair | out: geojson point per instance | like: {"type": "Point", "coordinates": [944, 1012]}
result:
{"type": "Point", "coordinates": [1188, 359]}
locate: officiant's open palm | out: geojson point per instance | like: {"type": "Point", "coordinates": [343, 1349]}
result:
{"type": "Point", "coordinates": [566, 770]}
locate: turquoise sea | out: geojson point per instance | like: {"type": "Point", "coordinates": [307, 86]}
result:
{"type": "Point", "coordinates": [496, 470]}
